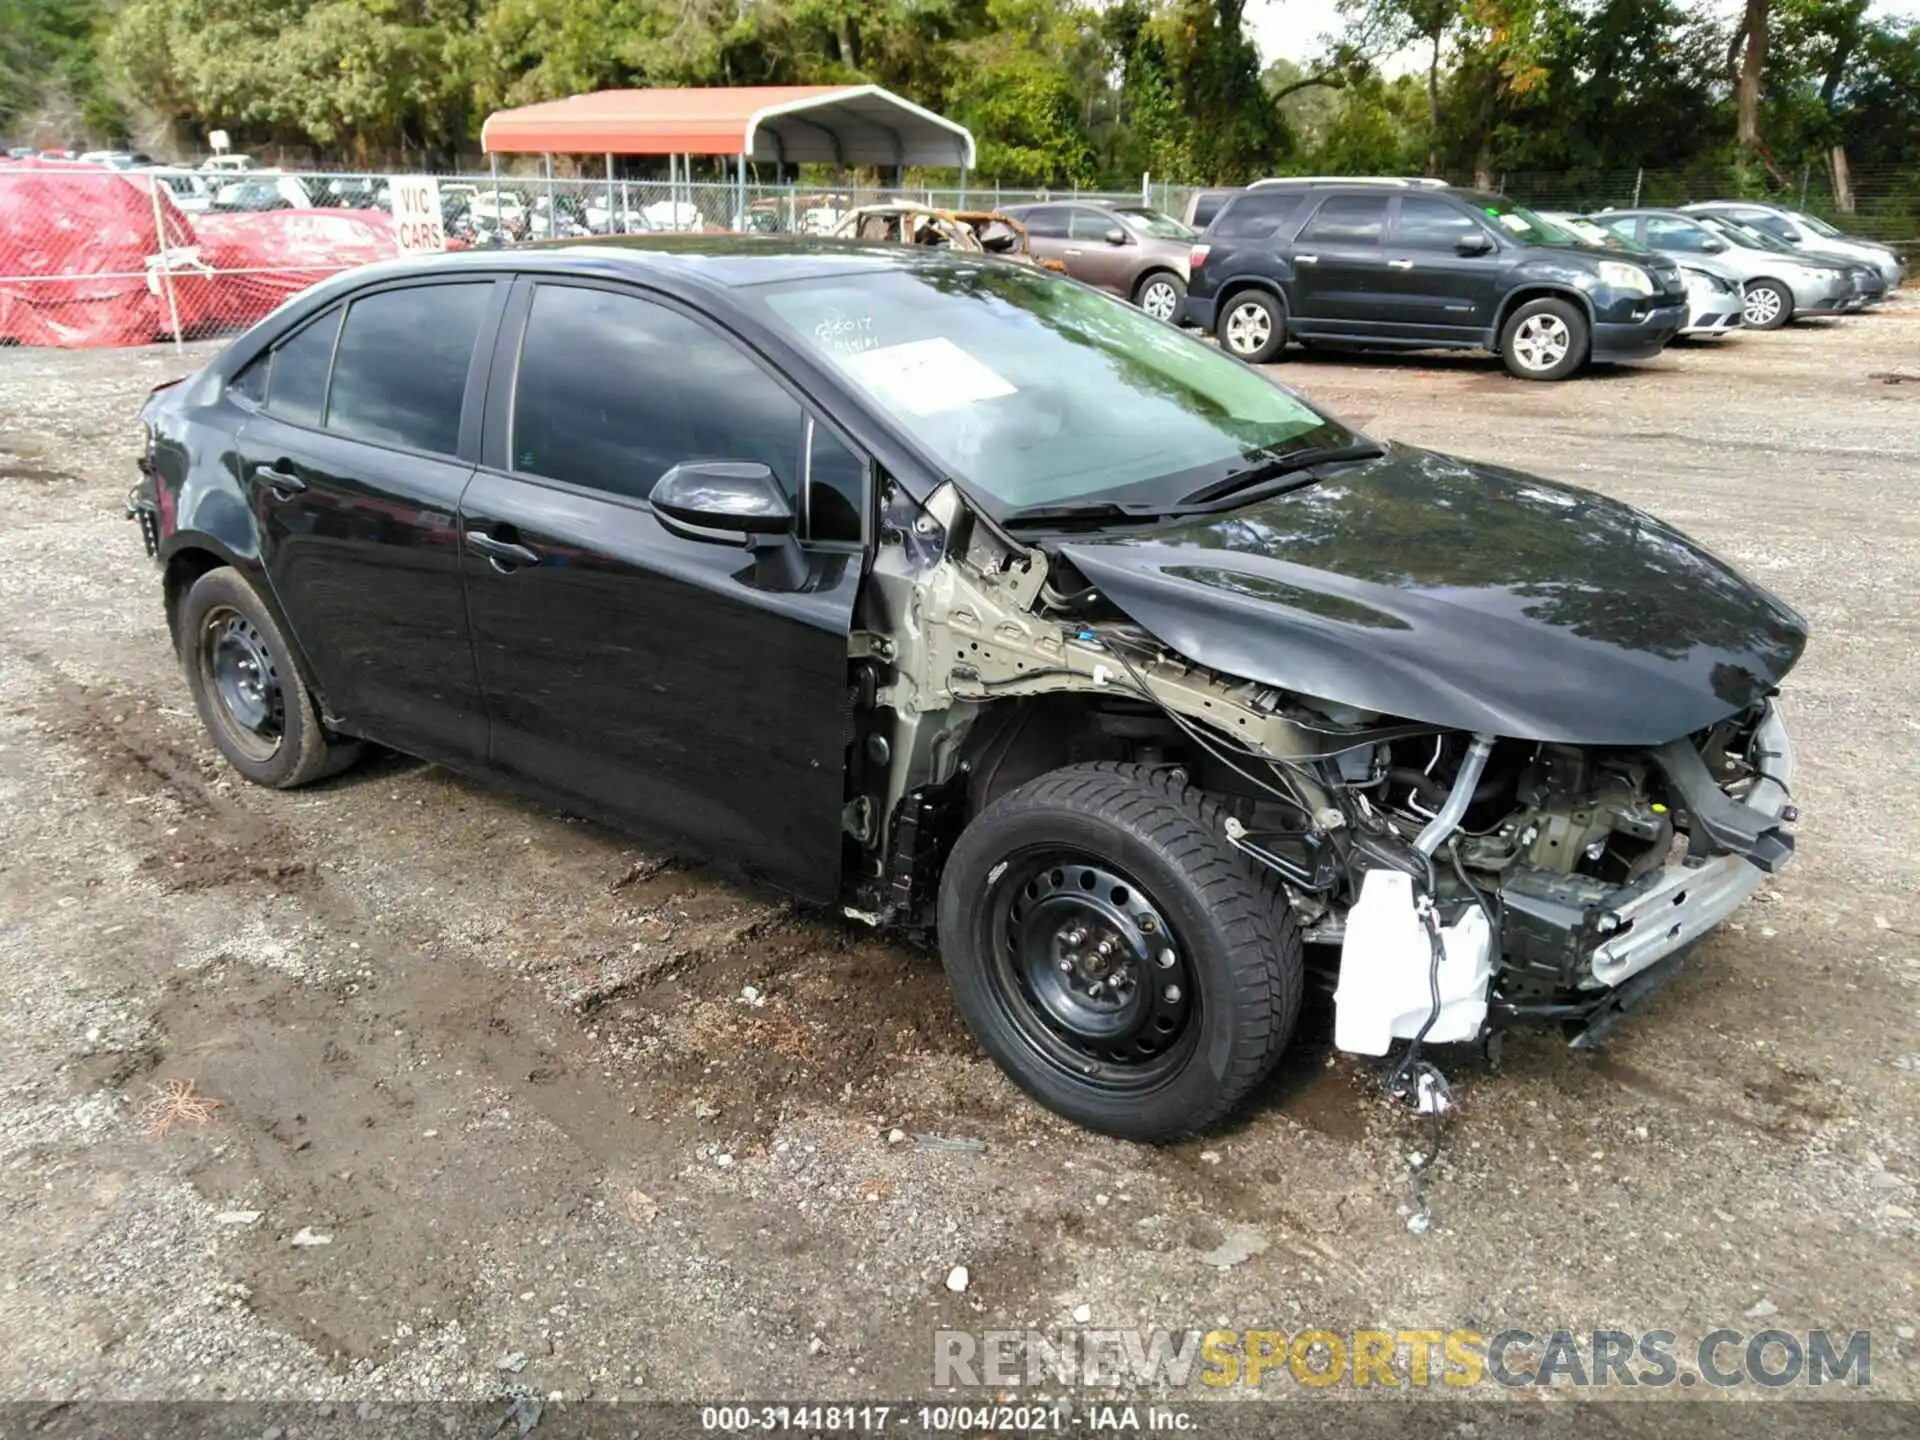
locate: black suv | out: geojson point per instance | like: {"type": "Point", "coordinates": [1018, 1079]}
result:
{"type": "Point", "coordinates": [1413, 267]}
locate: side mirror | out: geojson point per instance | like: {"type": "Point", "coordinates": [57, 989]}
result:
{"type": "Point", "coordinates": [1474, 244]}
{"type": "Point", "coordinates": [1713, 247]}
{"type": "Point", "coordinates": [728, 496]}
{"type": "Point", "coordinates": [715, 500]}
{"type": "Point", "coordinates": [1115, 236]}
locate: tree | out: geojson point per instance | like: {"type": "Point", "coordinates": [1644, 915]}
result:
{"type": "Point", "coordinates": [1750, 42]}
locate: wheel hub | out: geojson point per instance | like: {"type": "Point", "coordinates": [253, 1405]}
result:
{"type": "Point", "coordinates": [1098, 962]}
{"type": "Point", "coordinates": [245, 681]}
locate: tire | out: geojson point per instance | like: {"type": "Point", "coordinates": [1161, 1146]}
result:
{"type": "Point", "coordinates": [1161, 294]}
{"type": "Point", "coordinates": [249, 692]}
{"type": "Point", "coordinates": [1769, 305]}
{"type": "Point", "coordinates": [1206, 970]}
{"type": "Point", "coordinates": [1252, 327]}
{"type": "Point", "coordinates": [1545, 339]}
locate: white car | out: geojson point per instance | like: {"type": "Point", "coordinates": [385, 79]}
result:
{"type": "Point", "coordinates": [192, 192]}
{"type": "Point", "coordinates": [264, 190]}
{"type": "Point", "coordinates": [673, 215]}
{"type": "Point", "coordinates": [228, 164]}
{"type": "Point", "coordinates": [1807, 231]}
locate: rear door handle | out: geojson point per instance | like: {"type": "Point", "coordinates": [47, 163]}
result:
{"type": "Point", "coordinates": [1306, 259]}
{"type": "Point", "coordinates": [505, 554]}
{"type": "Point", "coordinates": [1071, 250]}
{"type": "Point", "coordinates": [282, 482]}
{"type": "Point", "coordinates": [1400, 264]}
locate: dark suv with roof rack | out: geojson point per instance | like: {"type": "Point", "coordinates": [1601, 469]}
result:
{"type": "Point", "coordinates": [1409, 267]}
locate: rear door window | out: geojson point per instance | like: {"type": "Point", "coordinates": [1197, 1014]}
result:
{"type": "Point", "coordinates": [1046, 222]}
{"type": "Point", "coordinates": [297, 374]}
{"type": "Point", "coordinates": [1429, 224]}
{"type": "Point", "coordinates": [400, 371]}
{"type": "Point", "coordinates": [1348, 220]}
{"type": "Point", "coordinates": [1258, 214]}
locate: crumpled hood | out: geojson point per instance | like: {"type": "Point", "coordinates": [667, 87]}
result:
{"type": "Point", "coordinates": [1469, 596]}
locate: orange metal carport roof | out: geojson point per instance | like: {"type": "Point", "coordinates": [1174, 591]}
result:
{"type": "Point", "coordinates": [827, 124]}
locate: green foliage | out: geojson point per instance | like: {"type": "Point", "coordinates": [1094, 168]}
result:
{"type": "Point", "coordinates": [1057, 91]}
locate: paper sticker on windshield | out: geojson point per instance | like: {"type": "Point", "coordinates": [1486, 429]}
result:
{"type": "Point", "coordinates": [925, 377]}
{"type": "Point", "coordinates": [1514, 223]}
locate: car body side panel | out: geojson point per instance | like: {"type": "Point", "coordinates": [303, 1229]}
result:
{"type": "Point", "coordinates": [647, 679]}
{"type": "Point", "coordinates": [1465, 596]}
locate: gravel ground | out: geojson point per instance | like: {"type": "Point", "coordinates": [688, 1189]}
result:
{"type": "Point", "coordinates": [509, 1068]}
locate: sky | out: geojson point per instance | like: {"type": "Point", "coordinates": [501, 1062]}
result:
{"type": "Point", "coordinates": [1291, 29]}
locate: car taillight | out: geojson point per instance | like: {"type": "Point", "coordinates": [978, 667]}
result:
{"type": "Point", "coordinates": [1197, 256]}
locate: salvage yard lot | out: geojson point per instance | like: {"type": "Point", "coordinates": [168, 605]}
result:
{"type": "Point", "coordinates": [552, 1100]}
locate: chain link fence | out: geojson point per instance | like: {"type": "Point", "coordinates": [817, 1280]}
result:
{"type": "Point", "coordinates": [91, 256]}
{"type": "Point", "coordinates": [95, 257]}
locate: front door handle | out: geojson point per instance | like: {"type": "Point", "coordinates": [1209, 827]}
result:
{"type": "Point", "coordinates": [1306, 259]}
{"type": "Point", "coordinates": [1071, 250]}
{"type": "Point", "coordinates": [283, 483]}
{"type": "Point", "coordinates": [1400, 264]}
{"type": "Point", "coordinates": [504, 554]}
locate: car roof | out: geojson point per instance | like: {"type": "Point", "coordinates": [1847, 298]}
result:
{"type": "Point", "coordinates": [717, 262]}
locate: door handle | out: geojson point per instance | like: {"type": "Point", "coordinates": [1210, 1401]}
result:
{"type": "Point", "coordinates": [283, 483]}
{"type": "Point", "coordinates": [1400, 264]}
{"type": "Point", "coordinates": [1070, 250]}
{"type": "Point", "coordinates": [504, 554]}
{"type": "Point", "coordinates": [1306, 259]}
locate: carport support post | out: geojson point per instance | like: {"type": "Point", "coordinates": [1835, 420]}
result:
{"type": "Point", "coordinates": [740, 192]}
{"type": "Point", "coordinates": [553, 219]}
{"type": "Point", "coordinates": [963, 189]}
{"type": "Point", "coordinates": [1639, 176]}
{"type": "Point", "coordinates": [611, 212]}
{"type": "Point", "coordinates": [166, 261]}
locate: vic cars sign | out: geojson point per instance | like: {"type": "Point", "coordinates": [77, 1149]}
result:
{"type": "Point", "coordinates": [416, 214]}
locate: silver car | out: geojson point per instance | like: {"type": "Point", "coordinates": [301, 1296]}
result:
{"type": "Point", "coordinates": [1777, 286]}
{"type": "Point", "coordinates": [1716, 298]}
{"type": "Point", "coordinates": [1809, 232]}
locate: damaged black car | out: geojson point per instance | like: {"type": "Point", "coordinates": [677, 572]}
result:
{"type": "Point", "coordinates": [969, 600]}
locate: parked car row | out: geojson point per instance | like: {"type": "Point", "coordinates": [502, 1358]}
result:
{"type": "Point", "coordinates": [1415, 264]}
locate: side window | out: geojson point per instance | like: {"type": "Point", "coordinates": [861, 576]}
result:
{"type": "Point", "coordinates": [1777, 226]}
{"type": "Point", "coordinates": [613, 391]}
{"type": "Point", "coordinates": [250, 384]}
{"type": "Point", "coordinates": [1624, 227]}
{"type": "Point", "coordinates": [1349, 219]}
{"type": "Point", "coordinates": [1257, 214]}
{"type": "Point", "coordinates": [1208, 205]}
{"type": "Point", "coordinates": [297, 377]}
{"type": "Point", "coordinates": [1665, 234]}
{"type": "Point", "coordinates": [836, 488]}
{"type": "Point", "coordinates": [1047, 222]}
{"type": "Point", "coordinates": [1429, 224]}
{"type": "Point", "coordinates": [1090, 224]}
{"type": "Point", "coordinates": [400, 374]}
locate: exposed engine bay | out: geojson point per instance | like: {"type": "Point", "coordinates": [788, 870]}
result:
{"type": "Point", "coordinates": [1449, 882]}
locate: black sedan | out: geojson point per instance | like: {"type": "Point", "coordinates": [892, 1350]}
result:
{"type": "Point", "coordinates": [964, 598]}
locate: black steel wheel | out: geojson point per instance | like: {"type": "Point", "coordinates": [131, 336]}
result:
{"type": "Point", "coordinates": [1119, 960]}
{"type": "Point", "coordinates": [249, 692]}
{"type": "Point", "coordinates": [239, 670]}
{"type": "Point", "coordinates": [1091, 975]}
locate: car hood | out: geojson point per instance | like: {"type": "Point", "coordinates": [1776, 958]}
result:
{"type": "Point", "coordinates": [1423, 586]}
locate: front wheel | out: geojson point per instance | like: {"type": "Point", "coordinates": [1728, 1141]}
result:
{"type": "Point", "coordinates": [1253, 327]}
{"type": "Point", "coordinates": [1160, 295]}
{"type": "Point", "coordinates": [1545, 339]}
{"type": "Point", "coordinates": [1115, 955]}
{"type": "Point", "coordinates": [1769, 305]}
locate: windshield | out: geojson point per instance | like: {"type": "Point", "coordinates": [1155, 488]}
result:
{"type": "Point", "coordinates": [1035, 391]}
{"type": "Point", "coordinates": [1520, 222]}
{"type": "Point", "coordinates": [1747, 239]}
{"type": "Point", "coordinates": [1153, 223]}
{"type": "Point", "coordinates": [1595, 234]}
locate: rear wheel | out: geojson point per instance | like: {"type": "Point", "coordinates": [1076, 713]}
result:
{"type": "Point", "coordinates": [1545, 339]}
{"type": "Point", "coordinates": [1769, 305]}
{"type": "Point", "coordinates": [1115, 955]}
{"type": "Point", "coordinates": [1252, 326]}
{"type": "Point", "coordinates": [249, 694]}
{"type": "Point", "coordinates": [1160, 295]}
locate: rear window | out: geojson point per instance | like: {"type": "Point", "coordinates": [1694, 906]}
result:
{"type": "Point", "coordinates": [1257, 214]}
{"type": "Point", "coordinates": [1207, 206]}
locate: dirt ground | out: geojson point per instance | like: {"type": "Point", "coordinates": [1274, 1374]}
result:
{"type": "Point", "coordinates": [574, 1118]}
